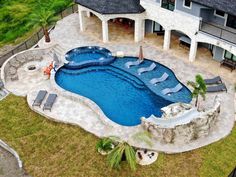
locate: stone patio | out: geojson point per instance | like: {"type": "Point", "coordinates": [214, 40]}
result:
{"type": "Point", "coordinates": [68, 36]}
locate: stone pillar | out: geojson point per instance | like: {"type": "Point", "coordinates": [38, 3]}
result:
{"type": "Point", "coordinates": [105, 31]}
{"type": "Point", "coordinates": [88, 14]}
{"type": "Point", "coordinates": [81, 20]}
{"type": "Point", "coordinates": [167, 39]}
{"type": "Point", "coordinates": [138, 30]}
{"type": "Point", "coordinates": [193, 50]}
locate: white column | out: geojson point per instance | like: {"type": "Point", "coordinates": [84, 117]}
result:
{"type": "Point", "coordinates": [105, 31]}
{"type": "Point", "coordinates": [167, 38]}
{"type": "Point", "coordinates": [143, 29]}
{"type": "Point", "coordinates": [138, 30]}
{"type": "Point", "coordinates": [81, 20]}
{"type": "Point", "coordinates": [88, 14]}
{"type": "Point", "coordinates": [193, 50]}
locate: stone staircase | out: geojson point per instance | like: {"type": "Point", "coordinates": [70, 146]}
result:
{"type": "Point", "coordinates": [60, 52]}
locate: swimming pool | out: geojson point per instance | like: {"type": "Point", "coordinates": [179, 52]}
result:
{"type": "Point", "coordinates": [123, 96]}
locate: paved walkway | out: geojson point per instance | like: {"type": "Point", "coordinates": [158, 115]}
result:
{"type": "Point", "coordinates": [9, 166]}
{"type": "Point", "coordinates": [67, 34]}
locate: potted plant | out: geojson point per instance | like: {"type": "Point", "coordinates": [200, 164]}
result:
{"type": "Point", "coordinates": [104, 146]}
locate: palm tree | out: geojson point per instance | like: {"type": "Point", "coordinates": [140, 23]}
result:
{"type": "Point", "coordinates": [199, 88]}
{"type": "Point", "coordinates": [122, 150]}
{"type": "Point", "coordinates": [44, 18]}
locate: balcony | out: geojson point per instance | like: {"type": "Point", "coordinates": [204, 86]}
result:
{"type": "Point", "coordinates": [222, 32]}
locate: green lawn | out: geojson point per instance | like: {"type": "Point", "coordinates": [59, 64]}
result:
{"type": "Point", "coordinates": [51, 149]}
{"type": "Point", "coordinates": [15, 17]}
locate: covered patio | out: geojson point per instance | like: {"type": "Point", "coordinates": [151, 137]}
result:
{"type": "Point", "coordinates": [107, 11]}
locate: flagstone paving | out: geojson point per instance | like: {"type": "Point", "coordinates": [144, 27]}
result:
{"type": "Point", "coordinates": [68, 36]}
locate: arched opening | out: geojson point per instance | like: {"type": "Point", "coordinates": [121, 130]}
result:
{"type": "Point", "coordinates": [121, 30]}
{"type": "Point", "coordinates": [211, 57]}
{"type": "Point", "coordinates": [180, 44]}
{"type": "Point", "coordinates": [154, 33]}
{"type": "Point", "coordinates": [93, 25]}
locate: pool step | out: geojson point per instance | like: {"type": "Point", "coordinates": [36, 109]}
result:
{"type": "Point", "coordinates": [112, 70]}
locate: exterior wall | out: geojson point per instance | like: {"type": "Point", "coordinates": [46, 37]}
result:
{"type": "Point", "coordinates": [218, 53]}
{"type": "Point", "coordinates": [165, 18]}
{"type": "Point", "coordinates": [194, 10]}
{"type": "Point", "coordinates": [208, 16]}
{"type": "Point", "coordinates": [206, 38]}
{"type": "Point", "coordinates": [148, 26]}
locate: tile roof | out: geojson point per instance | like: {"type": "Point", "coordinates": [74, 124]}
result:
{"type": "Point", "coordinates": [228, 6]}
{"type": "Point", "coordinates": [113, 6]}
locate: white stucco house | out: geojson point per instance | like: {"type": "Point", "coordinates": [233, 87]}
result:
{"type": "Point", "coordinates": [210, 23]}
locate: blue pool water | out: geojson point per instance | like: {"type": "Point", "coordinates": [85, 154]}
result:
{"type": "Point", "coordinates": [122, 95]}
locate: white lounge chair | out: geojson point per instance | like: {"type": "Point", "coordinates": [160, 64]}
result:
{"type": "Point", "coordinates": [133, 63]}
{"type": "Point", "coordinates": [146, 69]}
{"type": "Point", "coordinates": [154, 81]}
{"type": "Point", "coordinates": [175, 89]}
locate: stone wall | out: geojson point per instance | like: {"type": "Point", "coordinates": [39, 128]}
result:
{"type": "Point", "coordinates": [10, 67]}
{"type": "Point", "coordinates": [183, 131]}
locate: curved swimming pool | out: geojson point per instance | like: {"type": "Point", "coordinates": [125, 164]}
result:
{"type": "Point", "coordinates": [122, 95]}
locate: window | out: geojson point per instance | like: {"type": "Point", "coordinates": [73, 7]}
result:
{"type": "Point", "coordinates": [187, 3]}
{"type": "Point", "coordinates": [168, 4]}
{"type": "Point", "coordinates": [231, 21]}
{"type": "Point", "coordinates": [219, 13]}
{"type": "Point", "coordinates": [230, 56]}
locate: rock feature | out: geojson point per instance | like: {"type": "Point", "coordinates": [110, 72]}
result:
{"type": "Point", "coordinates": [182, 123]}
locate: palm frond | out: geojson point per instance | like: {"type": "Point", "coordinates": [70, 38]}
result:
{"type": "Point", "coordinates": [130, 157]}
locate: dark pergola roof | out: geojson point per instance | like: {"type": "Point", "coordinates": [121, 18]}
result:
{"type": "Point", "coordinates": [113, 6]}
{"type": "Point", "coordinates": [228, 6]}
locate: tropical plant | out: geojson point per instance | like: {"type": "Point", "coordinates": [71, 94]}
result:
{"type": "Point", "coordinates": [16, 23]}
{"type": "Point", "coordinates": [199, 88]}
{"type": "Point", "coordinates": [122, 150]}
{"type": "Point", "coordinates": [44, 18]}
{"type": "Point", "coordinates": [104, 145]}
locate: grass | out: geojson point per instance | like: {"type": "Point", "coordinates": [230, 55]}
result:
{"type": "Point", "coordinates": [53, 149]}
{"type": "Point", "coordinates": [15, 18]}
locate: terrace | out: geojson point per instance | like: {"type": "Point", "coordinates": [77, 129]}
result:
{"type": "Point", "coordinates": [70, 109]}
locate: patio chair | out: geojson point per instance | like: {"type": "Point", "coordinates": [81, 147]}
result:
{"type": "Point", "coordinates": [39, 98]}
{"type": "Point", "coordinates": [154, 81]}
{"type": "Point", "coordinates": [146, 69]}
{"type": "Point", "coordinates": [217, 88]}
{"type": "Point", "coordinates": [175, 89]}
{"type": "Point", "coordinates": [216, 80]}
{"type": "Point", "coordinates": [49, 102]}
{"type": "Point", "coordinates": [133, 63]}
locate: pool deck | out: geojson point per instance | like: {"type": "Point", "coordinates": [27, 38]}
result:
{"type": "Point", "coordinates": [67, 110]}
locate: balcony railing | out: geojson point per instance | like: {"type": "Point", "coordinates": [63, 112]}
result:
{"type": "Point", "coordinates": [222, 32]}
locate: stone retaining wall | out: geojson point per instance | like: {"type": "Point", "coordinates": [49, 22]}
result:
{"type": "Point", "coordinates": [197, 127]}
